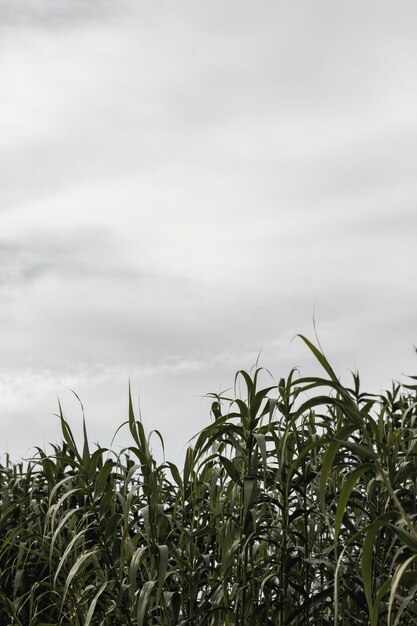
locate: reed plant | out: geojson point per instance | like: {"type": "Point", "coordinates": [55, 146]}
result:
{"type": "Point", "coordinates": [295, 505]}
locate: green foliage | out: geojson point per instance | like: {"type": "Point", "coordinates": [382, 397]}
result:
{"type": "Point", "coordinates": [295, 505]}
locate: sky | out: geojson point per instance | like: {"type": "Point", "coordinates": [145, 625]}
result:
{"type": "Point", "coordinates": [187, 185]}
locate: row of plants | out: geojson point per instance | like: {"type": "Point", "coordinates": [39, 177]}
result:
{"type": "Point", "coordinates": [295, 505]}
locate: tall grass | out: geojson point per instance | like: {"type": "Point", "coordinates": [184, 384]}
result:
{"type": "Point", "coordinates": [295, 505]}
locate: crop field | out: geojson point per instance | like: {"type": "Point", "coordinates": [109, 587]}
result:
{"type": "Point", "coordinates": [295, 505]}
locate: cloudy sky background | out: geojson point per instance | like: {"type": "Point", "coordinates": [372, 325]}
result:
{"type": "Point", "coordinates": [184, 184]}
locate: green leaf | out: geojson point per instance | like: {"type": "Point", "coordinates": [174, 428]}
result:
{"type": "Point", "coordinates": [80, 563]}
{"type": "Point", "coordinates": [176, 475]}
{"type": "Point", "coordinates": [367, 554]}
{"type": "Point", "coordinates": [321, 358]}
{"type": "Point", "coordinates": [405, 537]}
{"type": "Point", "coordinates": [162, 570]}
{"type": "Point", "coordinates": [374, 617]}
{"type": "Point", "coordinates": [93, 604]}
{"type": "Point", "coordinates": [143, 600]}
{"type": "Point", "coordinates": [348, 485]}
{"type": "Point", "coordinates": [230, 468]}
{"type": "Point", "coordinates": [396, 579]}
{"type": "Point", "coordinates": [102, 477]}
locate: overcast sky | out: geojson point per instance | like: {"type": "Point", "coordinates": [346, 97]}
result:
{"type": "Point", "coordinates": [183, 185]}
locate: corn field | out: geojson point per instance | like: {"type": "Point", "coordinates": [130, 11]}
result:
{"type": "Point", "coordinates": [295, 505]}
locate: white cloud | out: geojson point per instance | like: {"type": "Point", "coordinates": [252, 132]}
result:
{"type": "Point", "coordinates": [183, 182]}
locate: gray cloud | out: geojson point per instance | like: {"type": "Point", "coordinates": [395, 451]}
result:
{"type": "Point", "coordinates": [183, 184]}
{"type": "Point", "coordinates": [63, 13]}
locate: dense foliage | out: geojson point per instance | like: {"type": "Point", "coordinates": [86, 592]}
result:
{"type": "Point", "coordinates": [296, 505]}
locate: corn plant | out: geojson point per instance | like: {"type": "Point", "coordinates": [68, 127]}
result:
{"type": "Point", "coordinates": [295, 505]}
